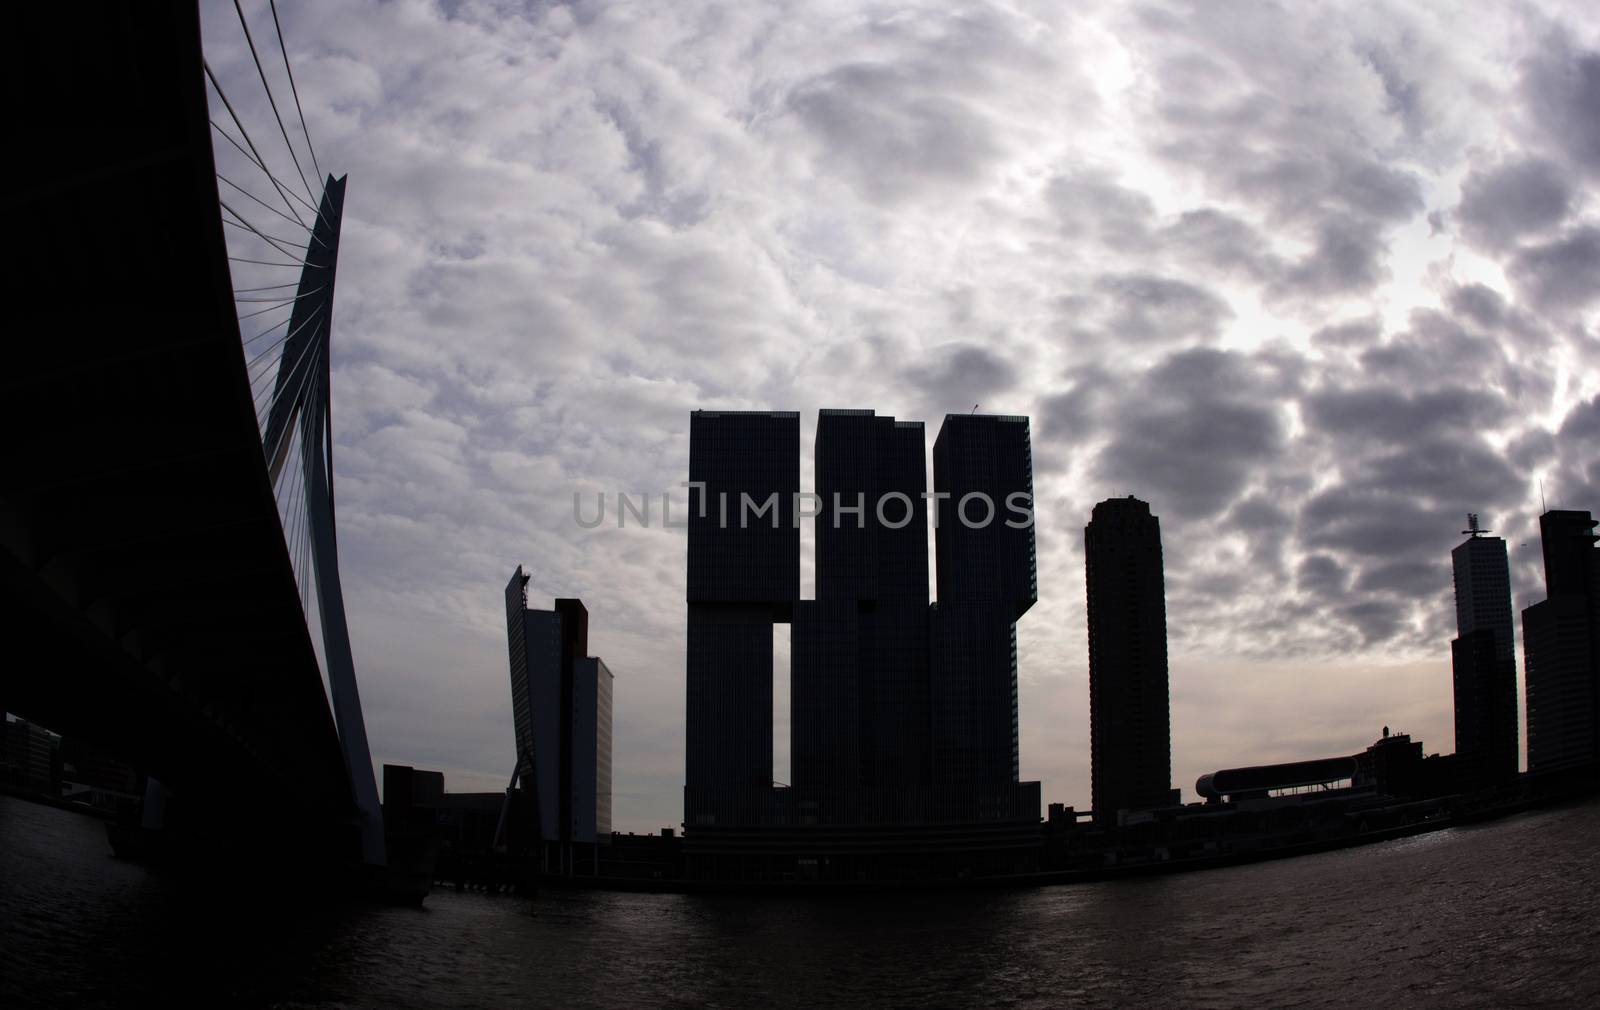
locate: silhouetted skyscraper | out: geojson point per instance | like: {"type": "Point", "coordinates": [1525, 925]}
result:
{"type": "Point", "coordinates": [1561, 646]}
{"type": "Point", "coordinates": [901, 713]}
{"type": "Point", "coordinates": [591, 735]}
{"type": "Point", "coordinates": [561, 706]}
{"type": "Point", "coordinates": [744, 574]}
{"type": "Point", "coordinates": [1483, 663]}
{"type": "Point", "coordinates": [982, 473]}
{"type": "Point", "coordinates": [859, 687]}
{"type": "Point", "coordinates": [1129, 715]}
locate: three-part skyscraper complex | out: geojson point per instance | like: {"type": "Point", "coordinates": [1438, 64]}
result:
{"type": "Point", "coordinates": [902, 712]}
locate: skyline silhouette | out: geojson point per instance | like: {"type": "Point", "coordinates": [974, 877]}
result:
{"type": "Point", "coordinates": [1314, 339]}
{"type": "Point", "coordinates": [1262, 300]}
{"type": "Point", "coordinates": [1346, 412]}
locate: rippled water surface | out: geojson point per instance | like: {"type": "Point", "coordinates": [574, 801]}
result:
{"type": "Point", "coordinates": [1504, 914]}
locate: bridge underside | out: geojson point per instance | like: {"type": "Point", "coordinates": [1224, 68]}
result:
{"type": "Point", "coordinates": [143, 572]}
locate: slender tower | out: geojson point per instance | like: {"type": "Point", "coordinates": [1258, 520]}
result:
{"type": "Point", "coordinates": [859, 730]}
{"type": "Point", "coordinates": [1561, 645]}
{"type": "Point", "coordinates": [1129, 720]}
{"type": "Point", "coordinates": [744, 575]}
{"type": "Point", "coordinates": [1483, 662]}
{"type": "Point", "coordinates": [987, 579]}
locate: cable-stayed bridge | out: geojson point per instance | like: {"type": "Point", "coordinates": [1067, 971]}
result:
{"type": "Point", "coordinates": [168, 553]}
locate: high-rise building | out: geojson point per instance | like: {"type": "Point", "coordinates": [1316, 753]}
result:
{"type": "Point", "coordinates": [591, 735]}
{"type": "Point", "coordinates": [561, 707]}
{"type": "Point", "coordinates": [31, 756]}
{"type": "Point", "coordinates": [859, 684]}
{"type": "Point", "coordinates": [1129, 714]}
{"type": "Point", "coordinates": [901, 713]}
{"type": "Point", "coordinates": [1483, 662]}
{"type": "Point", "coordinates": [982, 477]}
{"type": "Point", "coordinates": [983, 482]}
{"type": "Point", "coordinates": [534, 642]}
{"type": "Point", "coordinates": [1561, 646]}
{"type": "Point", "coordinates": [744, 575]}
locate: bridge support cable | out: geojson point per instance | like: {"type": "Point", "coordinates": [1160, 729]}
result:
{"type": "Point", "coordinates": [240, 189]}
{"type": "Point", "coordinates": [251, 42]}
{"type": "Point", "coordinates": [252, 160]}
{"type": "Point", "coordinates": [260, 161]}
{"type": "Point", "coordinates": [293, 411]}
{"type": "Point", "coordinates": [278, 26]}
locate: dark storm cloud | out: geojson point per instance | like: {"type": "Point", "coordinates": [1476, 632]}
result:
{"type": "Point", "coordinates": [1266, 526]}
{"type": "Point", "coordinates": [1402, 84]}
{"type": "Point", "coordinates": [1221, 241]}
{"type": "Point", "coordinates": [1377, 621]}
{"type": "Point", "coordinates": [962, 374]}
{"type": "Point", "coordinates": [1346, 258]}
{"type": "Point", "coordinates": [1321, 575]}
{"type": "Point", "coordinates": [917, 116]}
{"type": "Point", "coordinates": [1295, 186]}
{"type": "Point", "coordinates": [1532, 447]}
{"type": "Point", "coordinates": [1355, 333]}
{"type": "Point", "coordinates": [1438, 349]}
{"type": "Point", "coordinates": [1386, 414]}
{"type": "Point", "coordinates": [1408, 463]}
{"type": "Point", "coordinates": [1457, 472]}
{"type": "Point", "coordinates": [663, 194]}
{"type": "Point", "coordinates": [1582, 426]}
{"type": "Point", "coordinates": [1484, 306]}
{"type": "Point", "coordinates": [1561, 89]}
{"type": "Point", "coordinates": [1501, 205]}
{"type": "Point", "coordinates": [889, 136]}
{"type": "Point", "coordinates": [1562, 274]}
{"type": "Point", "coordinates": [1413, 579]}
{"type": "Point", "coordinates": [1071, 415]}
{"type": "Point", "coordinates": [1300, 159]}
{"type": "Point", "coordinates": [1190, 433]}
{"type": "Point", "coordinates": [1404, 439]}
{"type": "Point", "coordinates": [1576, 479]}
{"type": "Point", "coordinates": [1091, 207]}
{"type": "Point", "coordinates": [1365, 523]}
{"type": "Point", "coordinates": [1154, 308]}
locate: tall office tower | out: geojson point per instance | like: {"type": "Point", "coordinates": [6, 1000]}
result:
{"type": "Point", "coordinates": [744, 574]}
{"type": "Point", "coordinates": [534, 641]}
{"type": "Point", "coordinates": [982, 472]}
{"type": "Point", "coordinates": [859, 722]}
{"type": "Point", "coordinates": [590, 810]}
{"type": "Point", "coordinates": [1483, 663]}
{"type": "Point", "coordinates": [1561, 646]}
{"type": "Point", "coordinates": [1130, 735]}
{"type": "Point", "coordinates": [561, 707]}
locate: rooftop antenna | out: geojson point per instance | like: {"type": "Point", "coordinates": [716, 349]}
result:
{"type": "Point", "coordinates": [1542, 506]}
{"type": "Point", "coordinates": [1473, 529]}
{"type": "Point", "coordinates": [974, 408]}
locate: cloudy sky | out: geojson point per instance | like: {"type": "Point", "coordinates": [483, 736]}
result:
{"type": "Point", "coordinates": [1315, 280]}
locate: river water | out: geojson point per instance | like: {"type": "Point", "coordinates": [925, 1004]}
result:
{"type": "Point", "coordinates": [1497, 915]}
